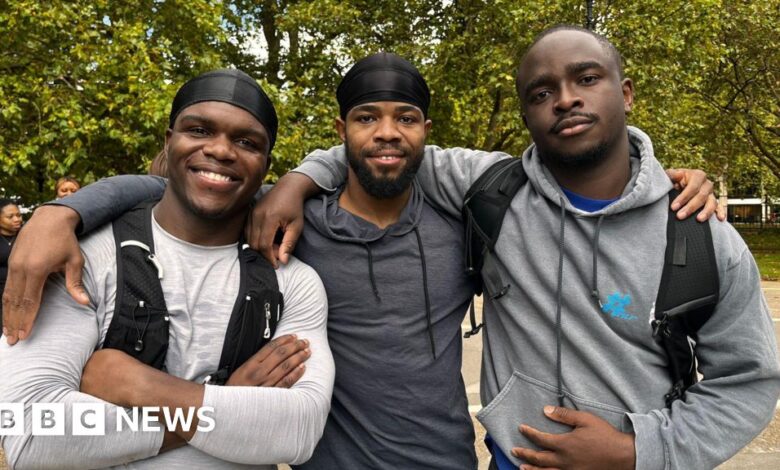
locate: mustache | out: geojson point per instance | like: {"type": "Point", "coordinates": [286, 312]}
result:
{"type": "Point", "coordinates": [386, 146]}
{"type": "Point", "coordinates": [556, 127]}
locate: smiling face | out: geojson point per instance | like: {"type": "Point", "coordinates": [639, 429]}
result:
{"type": "Point", "coordinates": [385, 141]}
{"type": "Point", "coordinates": [573, 99]}
{"type": "Point", "coordinates": [217, 158]}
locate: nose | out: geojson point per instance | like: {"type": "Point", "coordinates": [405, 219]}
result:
{"type": "Point", "coordinates": [387, 130]}
{"type": "Point", "coordinates": [219, 147]}
{"type": "Point", "coordinates": [568, 99]}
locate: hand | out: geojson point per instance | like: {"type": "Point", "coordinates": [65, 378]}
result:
{"type": "Point", "coordinates": [592, 444]}
{"type": "Point", "coordinates": [46, 244]}
{"type": "Point", "coordinates": [278, 364]}
{"type": "Point", "coordinates": [696, 191]}
{"type": "Point", "coordinates": [280, 209]}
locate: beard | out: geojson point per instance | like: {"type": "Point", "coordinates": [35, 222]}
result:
{"type": "Point", "coordinates": [587, 158]}
{"type": "Point", "coordinates": [384, 186]}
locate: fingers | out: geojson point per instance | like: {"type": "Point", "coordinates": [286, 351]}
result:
{"type": "Point", "coordinates": [541, 439]}
{"type": "Point", "coordinates": [271, 346]}
{"type": "Point", "coordinates": [694, 196]}
{"type": "Point", "coordinates": [21, 299]}
{"type": "Point", "coordinates": [568, 416]}
{"type": "Point", "coordinates": [73, 271]}
{"type": "Point", "coordinates": [291, 234]}
{"type": "Point", "coordinates": [262, 230]}
{"type": "Point", "coordinates": [288, 358]}
{"type": "Point", "coordinates": [536, 459]}
{"type": "Point", "coordinates": [722, 212]}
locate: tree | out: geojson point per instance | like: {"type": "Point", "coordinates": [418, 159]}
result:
{"type": "Point", "coordinates": [86, 85]}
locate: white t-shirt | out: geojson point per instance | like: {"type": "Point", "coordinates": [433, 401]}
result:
{"type": "Point", "coordinates": [255, 426]}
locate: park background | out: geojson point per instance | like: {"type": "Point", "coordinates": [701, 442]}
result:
{"type": "Point", "coordinates": [86, 85]}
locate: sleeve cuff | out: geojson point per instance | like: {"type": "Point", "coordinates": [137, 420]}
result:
{"type": "Point", "coordinates": [648, 442]}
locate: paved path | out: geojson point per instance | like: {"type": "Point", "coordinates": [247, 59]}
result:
{"type": "Point", "coordinates": [762, 453]}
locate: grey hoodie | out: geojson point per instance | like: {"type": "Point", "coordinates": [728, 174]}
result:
{"type": "Point", "coordinates": [610, 365]}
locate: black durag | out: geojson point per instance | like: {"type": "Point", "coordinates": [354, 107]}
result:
{"type": "Point", "coordinates": [383, 77]}
{"type": "Point", "coordinates": [228, 86]}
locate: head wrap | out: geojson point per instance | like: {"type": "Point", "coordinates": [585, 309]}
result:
{"type": "Point", "coordinates": [383, 77]}
{"type": "Point", "coordinates": [228, 86]}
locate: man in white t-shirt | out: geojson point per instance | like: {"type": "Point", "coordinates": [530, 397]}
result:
{"type": "Point", "coordinates": [222, 129]}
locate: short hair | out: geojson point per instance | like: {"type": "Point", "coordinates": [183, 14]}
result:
{"type": "Point", "coordinates": [609, 48]}
{"type": "Point", "coordinates": [66, 179]}
{"type": "Point", "coordinates": [6, 202]}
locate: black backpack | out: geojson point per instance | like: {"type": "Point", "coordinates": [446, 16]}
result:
{"type": "Point", "coordinates": [140, 325]}
{"type": "Point", "coordinates": [687, 294]}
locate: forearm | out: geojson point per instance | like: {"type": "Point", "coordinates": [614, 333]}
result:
{"type": "Point", "coordinates": [299, 184]}
{"type": "Point", "coordinates": [102, 202]}
{"type": "Point", "coordinates": [78, 452]}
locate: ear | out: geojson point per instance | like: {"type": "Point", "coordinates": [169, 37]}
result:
{"type": "Point", "coordinates": [168, 134]}
{"type": "Point", "coordinates": [341, 128]}
{"type": "Point", "coordinates": [525, 121]}
{"type": "Point", "coordinates": [628, 94]}
{"type": "Point", "coordinates": [428, 125]}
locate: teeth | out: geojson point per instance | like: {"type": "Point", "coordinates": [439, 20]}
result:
{"type": "Point", "coordinates": [386, 157]}
{"type": "Point", "coordinates": [213, 176]}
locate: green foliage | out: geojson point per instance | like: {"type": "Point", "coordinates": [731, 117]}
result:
{"type": "Point", "coordinates": [86, 86]}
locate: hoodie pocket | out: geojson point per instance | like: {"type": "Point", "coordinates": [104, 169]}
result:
{"type": "Point", "coordinates": [521, 401]}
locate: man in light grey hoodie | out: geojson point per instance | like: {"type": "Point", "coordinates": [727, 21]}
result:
{"type": "Point", "coordinates": [593, 217]}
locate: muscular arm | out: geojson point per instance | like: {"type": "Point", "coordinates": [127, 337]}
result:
{"type": "Point", "coordinates": [253, 425]}
{"type": "Point", "coordinates": [47, 369]}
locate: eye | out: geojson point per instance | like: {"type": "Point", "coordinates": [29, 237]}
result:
{"type": "Point", "coordinates": [589, 79]}
{"type": "Point", "coordinates": [539, 96]}
{"type": "Point", "coordinates": [247, 144]}
{"type": "Point", "coordinates": [407, 119]}
{"type": "Point", "coordinates": [198, 131]}
{"type": "Point", "coordinates": [365, 118]}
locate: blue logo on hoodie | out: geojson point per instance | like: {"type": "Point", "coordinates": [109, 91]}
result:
{"type": "Point", "coordinates": [616, 306]}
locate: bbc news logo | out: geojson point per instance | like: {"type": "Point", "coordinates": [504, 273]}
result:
{"type": "Point", "coordinates": [89, 419]}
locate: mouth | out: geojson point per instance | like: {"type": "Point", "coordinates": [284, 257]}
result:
{"type": "Point", "coordinates": [214, 179]}
{"type": "Point", "coordinates": [573, 125]}
{"type": "Point", "coordinates": [212, 176]}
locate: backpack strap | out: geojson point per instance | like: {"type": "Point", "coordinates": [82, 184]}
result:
{"type": "Point", "coordinates": [687, 296]}
{"type": "Point", "coordinates": [484, 208]}
{"type": "Point", "coordinates": [256, 314]}
{"type": "Point", "coordinates": [139, 326]}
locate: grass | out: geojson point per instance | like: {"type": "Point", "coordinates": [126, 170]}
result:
{"type": "Point", "coordinates": [765, 245]}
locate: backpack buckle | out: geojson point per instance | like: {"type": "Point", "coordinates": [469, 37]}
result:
{"type": "Point", "coordinates": [473, 331]}
{"type": "Point", "coordinates": [675, 393]}
{"type": "Point", "coordinates": [661, 326]}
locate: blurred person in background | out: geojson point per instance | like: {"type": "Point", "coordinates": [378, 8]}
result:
{"type": "Point", "coordinates": [66, 186]}
{"type": "Point", "coordinates": [10, 223]}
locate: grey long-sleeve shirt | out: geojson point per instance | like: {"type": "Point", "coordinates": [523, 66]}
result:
{"type": "Point", "coordinates": [254, 426]}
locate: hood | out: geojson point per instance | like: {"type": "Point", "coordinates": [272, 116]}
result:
{"type": "Point", "coordinates": [648, 183]}
{"type": "Point", "coordinates": [324, 214]}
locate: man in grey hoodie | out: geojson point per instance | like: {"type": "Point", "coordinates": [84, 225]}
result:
{"type": "Point", "coordinates": [586, 383]}
{"type": "Point", "coordinates": [393, 270]}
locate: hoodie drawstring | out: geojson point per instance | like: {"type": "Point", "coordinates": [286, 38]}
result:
{"type": "Point", "coordinates": [558, 296]}
{"type": "Point", "coordinates": [595, 249]}
{"type": "Point", "coordinates": [425, 289]}
{"type": "Point", "coordinates": [371, 272]}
